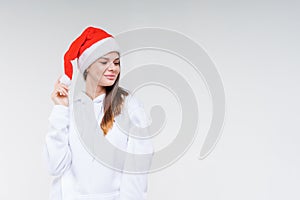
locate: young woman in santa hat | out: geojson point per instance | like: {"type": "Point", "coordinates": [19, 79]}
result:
{"type": "Point", "coordinates": [67, 153]}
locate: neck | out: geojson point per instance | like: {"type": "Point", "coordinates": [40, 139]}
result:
{"type": "Point", "coordinates": [93, 90]}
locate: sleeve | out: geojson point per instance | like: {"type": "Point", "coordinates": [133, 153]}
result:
{"type": "Point", "coordinates": [56, 151]}
{"type": "Point", "coordinates": [134, 186]}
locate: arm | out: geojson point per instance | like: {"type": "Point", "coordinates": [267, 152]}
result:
{"type": "Point", "coordinates": [56, 152]}
{"type": "Point", "coordinates": [135, 186]}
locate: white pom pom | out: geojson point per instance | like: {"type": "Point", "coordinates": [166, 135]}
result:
{"type": "Point", "coordinates": [65, 80]}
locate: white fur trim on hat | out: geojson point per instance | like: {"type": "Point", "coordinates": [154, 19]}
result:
{"type": "Point", "coordinates": [95, 51]}
{"type": "Point", "coordinates": [65, 80]}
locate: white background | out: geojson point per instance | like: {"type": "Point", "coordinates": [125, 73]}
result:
{"type": "Point", "coordinates": [255, 46]}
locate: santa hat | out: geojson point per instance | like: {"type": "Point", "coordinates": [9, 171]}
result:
{"type": "Point", "coordinates": [87, 48]}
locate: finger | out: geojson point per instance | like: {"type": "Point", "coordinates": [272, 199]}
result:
{"type": "Point", "coordinates": [60, 85]}
{"type": "Point", "coordinates": [58, 93]}
{"type": "Point", "coordinates": [57, 81]}
{"type": "Point", "coordinates": [56, 85]}
{"type": "Point", "coordinates": [61, 94]}
{"type": "Point", "coordinates": [63, 91]}
{"type": "Point", "coordinates": [65, 86]}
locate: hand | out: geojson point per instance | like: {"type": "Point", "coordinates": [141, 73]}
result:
{"type": "Point", "coordinates": [60, 94]}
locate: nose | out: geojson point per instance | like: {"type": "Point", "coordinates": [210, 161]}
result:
{"type": "Point", "coordinates": [112, 66]}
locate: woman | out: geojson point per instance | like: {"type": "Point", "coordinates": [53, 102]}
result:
{"type": "Point", "coordinates": [68, 156]}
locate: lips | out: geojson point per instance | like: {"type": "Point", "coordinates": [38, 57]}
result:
{"type": "Point", "coordinates": [110, 76]}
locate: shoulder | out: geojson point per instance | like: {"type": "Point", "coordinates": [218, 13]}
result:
{"type": "Point", "coordinates": [136, 110]}
{"type": "Point", "coordinates": [141, 119]}
{"type": "Point", "coordinates": [132, 101]}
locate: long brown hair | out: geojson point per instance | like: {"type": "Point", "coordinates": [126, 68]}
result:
{"type": "Point", "coordinates": [113, 103]}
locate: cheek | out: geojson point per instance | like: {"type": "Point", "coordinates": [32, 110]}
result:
{"type": "Point", "coordinates": [118, 70]}
{"type": "Point", "coordinates": [99, 71]}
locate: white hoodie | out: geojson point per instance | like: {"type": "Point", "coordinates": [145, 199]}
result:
{"type": "Point", "coordinates": [77, 174]}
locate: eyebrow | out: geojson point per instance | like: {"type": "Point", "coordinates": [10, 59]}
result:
{"type": "Point", "coordinates": [108, 58]}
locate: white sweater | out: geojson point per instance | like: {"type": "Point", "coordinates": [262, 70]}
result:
{"type": "Point", "coordinates": [77, 174]}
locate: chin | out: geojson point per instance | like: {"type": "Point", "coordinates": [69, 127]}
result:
{"type": "Point", "coordinates": [108, 83]}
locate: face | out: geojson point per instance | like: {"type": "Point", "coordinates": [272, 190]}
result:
{"type": "Point", "coordinates": [105, 70]}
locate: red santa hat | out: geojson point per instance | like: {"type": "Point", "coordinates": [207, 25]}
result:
{"type": "Point", "coordinates": [87, 48]}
